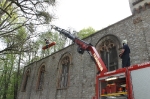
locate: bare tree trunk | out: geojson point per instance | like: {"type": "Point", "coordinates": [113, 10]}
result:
{"type": "Point", "coordinates": [5, 86]}
{"type": "Point", "coordinates": [16, 84]}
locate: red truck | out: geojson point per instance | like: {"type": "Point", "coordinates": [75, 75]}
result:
{"type": "Point", "coordinates": [124, 83]}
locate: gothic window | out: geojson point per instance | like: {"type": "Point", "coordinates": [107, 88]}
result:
{"type": "Point", "coordinates": [27, 74]}
{"type": "Point", "coordinates": [41, 78]}
{"type": "Point", "coordinates": [64, 72]}
{"type": "Point", "coordinates": [108, 50]}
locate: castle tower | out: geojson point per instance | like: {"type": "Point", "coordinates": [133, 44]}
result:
{"type": "Point", "coordinates": [138, 5]}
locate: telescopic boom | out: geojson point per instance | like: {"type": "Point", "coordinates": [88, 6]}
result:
{"type": "Point", "coordinates": [83, 46]}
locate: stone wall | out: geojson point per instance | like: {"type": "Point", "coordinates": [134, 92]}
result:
{"type": "Point", "coordinates": [82, 70]}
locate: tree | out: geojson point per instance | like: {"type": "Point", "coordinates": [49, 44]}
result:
{"type": "Point", "coordinates": [11, 70]}
{"type": "Point", "coordinates": [30, 14]}
{"type": "Point", "coordinates": [85, 32]}
{"type": "Point", "coordinates": [19, 20]}
{"type": "Point", "coordinates": [5, 79]}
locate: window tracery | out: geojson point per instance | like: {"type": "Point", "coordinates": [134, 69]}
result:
{"type": "Point", "coordinates": [64, 72]}
{"type": "Point", "coordinates": [108, 49]}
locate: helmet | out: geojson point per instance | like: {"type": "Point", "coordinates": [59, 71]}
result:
{"type": "Point", "coordinates": [124, 42]}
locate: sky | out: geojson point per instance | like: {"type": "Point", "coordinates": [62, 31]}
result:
{"type": "Point", "coordinates": [80, 14]}
{"type": "Point", "coordinates": [98, 14]}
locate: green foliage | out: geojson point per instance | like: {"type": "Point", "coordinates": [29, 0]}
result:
{"type": "Point", "coordinates": [45, 15]}
{"type": "Point", "coordinates": [21, 35]}
{"type": "Point", "coordinates": [25, 14]}
{"type": "Point", "coordinates": [6, 79]}
{"type": "Point", "coordinates": [18, 26]}
{"type": "Point", "coordinates": [85, 32]}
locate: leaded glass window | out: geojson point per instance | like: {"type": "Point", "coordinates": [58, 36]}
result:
{"type": "Point", "coordinates": [64, 73]}
{"type": "Point", "coordinates": [108, 48]}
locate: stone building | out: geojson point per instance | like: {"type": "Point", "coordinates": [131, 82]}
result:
{"type": "Point", "coordinates": [67, 74]}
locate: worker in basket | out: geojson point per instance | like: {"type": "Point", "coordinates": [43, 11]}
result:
{"type": "Point", "coordinates": [125, 54]}
{"type": "Point", "coordinates": [47, 43]}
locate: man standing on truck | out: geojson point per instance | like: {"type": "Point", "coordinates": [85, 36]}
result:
{"type": "Point", "coordinates": [125, 54]}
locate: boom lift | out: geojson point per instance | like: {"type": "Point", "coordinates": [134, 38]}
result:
{"type": "Point", "coordinates": [125, 83]}
{"type": "Point", "coordinates": [83, 46]}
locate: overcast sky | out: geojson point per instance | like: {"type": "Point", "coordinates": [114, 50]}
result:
{"type": "Point", "coordinates": [79, 14]}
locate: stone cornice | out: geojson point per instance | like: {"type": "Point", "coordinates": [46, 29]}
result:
{"type": "Point", "coordinates": [141, 8]}
{"type": "Point", "coordinates": [136, 2]}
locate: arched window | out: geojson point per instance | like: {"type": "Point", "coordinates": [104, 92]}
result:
{"type": "Point", "coordinates": [108, 49]}
{"type": "Point", "coordinates": [64, 72]}
{"type": "Point", "coordinates": [25, 82]}
{"type": "Point", "coordinates": [41, 78]}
